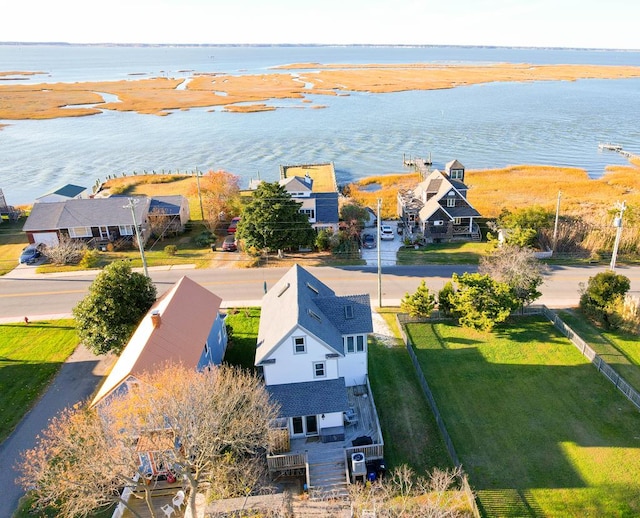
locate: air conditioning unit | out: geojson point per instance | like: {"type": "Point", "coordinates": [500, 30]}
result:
{"type": "Point", "coordinates": [358, 465]}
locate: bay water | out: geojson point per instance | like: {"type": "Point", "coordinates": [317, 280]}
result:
{"type": "Point", "coordinates": [483, 126]}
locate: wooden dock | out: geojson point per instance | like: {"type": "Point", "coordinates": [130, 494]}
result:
{"type": "Point", "coordinates": [617, 148]}
{"type": "Point", "coordinates": [421, 165]}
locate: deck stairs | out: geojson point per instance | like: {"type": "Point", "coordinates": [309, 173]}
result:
{"type": "Point", "coordinates": [327, 477]}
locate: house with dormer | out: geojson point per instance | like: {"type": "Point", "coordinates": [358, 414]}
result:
{"type": "Point", "coordinates": [437, 208]}
{"type": "Point", "coordinates": [312, 345]}
{"type": "Point", "coordinates": [315, 188]}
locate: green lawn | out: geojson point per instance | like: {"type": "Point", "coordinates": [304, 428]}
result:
{"type": "Point", "coordinates": [539, 431]}
{"type": "Point", "coordinates": [619, 349]}
{"type": "Point", "coordinates": [30, 356]}
{"type": "Point", "coordinates": [241, 350]}
{"type": "Point", "coordinates": [12, 241]}
{"type": "Point", "coordinates": [445, 253]}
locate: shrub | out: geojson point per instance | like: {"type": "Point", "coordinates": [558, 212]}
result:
{"type": "Point", "coordinates": [205, 238]}
{"type": "Point", "coordinates": [90, 259]}
{"type": "Point", "coordinates": [171, 249]}
{"type": "Point", "coordinates": [323, 240]}
{"type": "Point", "coordinates": [602, 300]}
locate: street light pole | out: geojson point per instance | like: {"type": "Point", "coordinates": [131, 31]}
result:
{"type": "Point", "coordinates": [555, 226]}
{"type": "Point", "coordinates": [617, 222]}
{"type": "Point", "coordinates": [131, 205]}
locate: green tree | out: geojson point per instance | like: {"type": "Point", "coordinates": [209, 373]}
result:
{"type": "Point", "coordinates": [118, 298]}
{"type": "Point", "coordinates": [518, 267]}
{"type": "Point", "coordinates": [420, 303]}
{"type": "Point", "coordinates": [445, 298]}
{"type": "Point", "coordinates": [481, 302]}
{"type": "Point", "coordinates": [603, 296]}
{"type": "Point", "coordinates": [523, 227]}
{"type": "Point", "coordinates": [353, 216]}
{"type": "Point", "coordinates": [273, 221]}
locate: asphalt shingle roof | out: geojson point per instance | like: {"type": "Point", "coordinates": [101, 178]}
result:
{"type": "Point", "coordinates": [310, 397]}
{"type": "Point", "coordinates": [299, 299]}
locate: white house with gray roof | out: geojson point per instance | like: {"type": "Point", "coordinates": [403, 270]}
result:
{"type": "Point", "coordinates": [312, 345]}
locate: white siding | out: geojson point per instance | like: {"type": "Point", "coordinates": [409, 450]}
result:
{"type": "Point", "coordinates": [297, 368]}
{"type": "Point", "coordinates": [354, 368]}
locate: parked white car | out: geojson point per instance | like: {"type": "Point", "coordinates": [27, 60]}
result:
{"type": "Point", "coordinates": [386, 233]}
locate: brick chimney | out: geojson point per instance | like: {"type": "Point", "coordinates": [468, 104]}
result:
{"type": "Point", "coordinates": [155, 318]}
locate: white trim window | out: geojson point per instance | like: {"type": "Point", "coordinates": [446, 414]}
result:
{"type": "Point", "coordinates": [126, 230]}
{"type": "Point", "coordinates": [354, 343]}
{"type": "Point", "coordinates": [451, 202]}
{"type": "Point", "coordinates": [80, 232]}
{"type": "Point", "coordinates": [319, 370]}
{"type": "Point", "coordinates": [299, 345]}
{"type": "Point", "coordinates": [457, 174]}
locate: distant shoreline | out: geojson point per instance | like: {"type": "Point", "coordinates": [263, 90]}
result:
{"type": "Point", "coordinates": [311, 45]}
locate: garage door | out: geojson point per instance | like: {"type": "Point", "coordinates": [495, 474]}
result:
{"type": "Point", "coordinates": [48, 238]}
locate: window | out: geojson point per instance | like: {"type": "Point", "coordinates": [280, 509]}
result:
{"type": "Point", "coordinates": [360, 343]}
{"type": "Point", "coordinates": [350, 345]}
{"type": "Point", "coordinates": [310, 213]}
{"type": "Point", "coordinates": [457, 221]}
{"type": "Point", "coordinates": [319, 370]}
{"type": "Point", "coordinates": [457, 174]}
{"type": "Point", "coordinates": [451, 202]}
{"type": "Point", "coordinates": [348, 312]}
{"type": "Point", "coordinates": [299, 346]}
{"type": "Point", "coordinates": [438, 223]}
{"type": "Point", "coordinates": [126, 230]}
{"type": "Point", "coordinates": [80, 232]}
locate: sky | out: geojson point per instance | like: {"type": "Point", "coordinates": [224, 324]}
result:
{"type": "Point", "coordinates": [610, 24]}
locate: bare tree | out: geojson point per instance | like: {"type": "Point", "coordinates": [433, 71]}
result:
{"type": "Point", "coordinates": [76, 468]}
{"type": "Point", "coordinates": [220, 194]}
{"type": "Point", "coordinates": [67, 251]}
{"type": "Point", "coordinates": [518, 267]}
{"type": "Point", "coordinates": [196, 423]}
{"type": "Point", "coordinates": [208, 416]}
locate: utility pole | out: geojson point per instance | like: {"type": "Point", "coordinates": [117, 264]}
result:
{"type": "Point", "coordinates": [617, 222]}
{"type": "Point", "coordinates": [132, 203]}
{"type": "Point", "coordinates": [555, 226]}
{"type": "Point", "coordinates": [379, 257]}
{"type": "Point", "coordinates": [199, 194]}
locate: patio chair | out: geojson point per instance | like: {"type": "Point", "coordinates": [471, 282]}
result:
{"type": "Point", "coordinates": [350, 417]}
{"type": "Point", "coordinates": [178, 500]}
{"type": "Point", "coordinates": [168, 510]}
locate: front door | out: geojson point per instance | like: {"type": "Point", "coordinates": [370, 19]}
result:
{"type": "Point", "coordinates": [312, 424]}
{"type": "Point", "coordinates": [104, 233]}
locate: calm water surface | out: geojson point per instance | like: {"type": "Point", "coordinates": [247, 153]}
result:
{"type": "Point", "coordinates": [487, 126]}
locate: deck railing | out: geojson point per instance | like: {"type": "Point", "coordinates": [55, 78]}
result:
{"type": "Point", "coordinates": [286, 461]}
{"type": "Point", "coordinates": [370, 451]}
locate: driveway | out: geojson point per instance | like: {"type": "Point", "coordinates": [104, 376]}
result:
{"type": "Point", "coordinates": [388, 249]}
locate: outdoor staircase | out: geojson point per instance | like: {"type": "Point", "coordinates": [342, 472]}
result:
{"type": "Point", "coordinates": [327, 477]}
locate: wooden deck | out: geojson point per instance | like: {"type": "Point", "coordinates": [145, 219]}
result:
{"type": "Point", "coordinates": [162, 494]}
{"type": "Point", "coordinates": [367, 425]}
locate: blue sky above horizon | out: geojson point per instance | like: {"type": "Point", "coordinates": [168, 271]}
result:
{"type": "Point", "coordinates": [527, 23]}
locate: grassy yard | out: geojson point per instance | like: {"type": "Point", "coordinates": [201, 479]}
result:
{"type": "Point", "coordinates": [13, 240]}
{"type": "Point", "coordinates": [30, 356]}
{"type": "Point", "coordinates": [241, 349]}
{"type": "Point", "coordinates": [445, 253]}
{"type": "Point", "coordinates": [539, 431]}
{"type": "Point", "coordinates": [619, 349]}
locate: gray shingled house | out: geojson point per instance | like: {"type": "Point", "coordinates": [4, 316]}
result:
{"type": "Point", "coordinates": [438, 208]}
{"type": "Point", "coordinates": [103, 220]}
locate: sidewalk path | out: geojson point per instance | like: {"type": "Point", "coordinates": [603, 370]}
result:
{"type": "Point", "coordinates": [77, 380]}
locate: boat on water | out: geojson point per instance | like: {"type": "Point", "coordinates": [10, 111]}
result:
{"type": "Point", "coordinates": [610, 147]}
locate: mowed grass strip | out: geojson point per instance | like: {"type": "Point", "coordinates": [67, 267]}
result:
{"type": "Point", "coordinates": [619, 349]}
{"type": "Point", "coordinates": [539, 431]}
{"type": "Point", "coordinates": [30, 356]}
